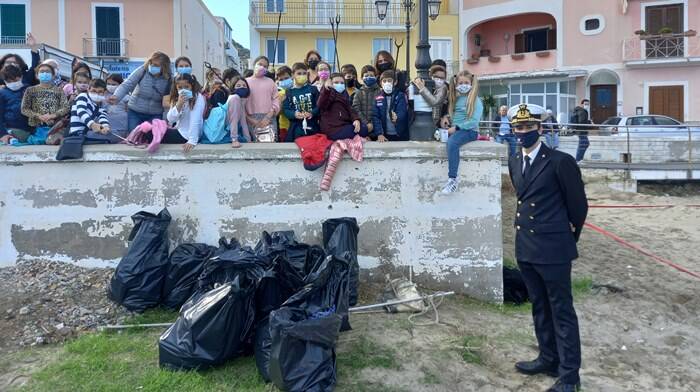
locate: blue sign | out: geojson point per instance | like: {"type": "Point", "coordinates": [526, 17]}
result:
{"type": "Point", "coordinates": [124, 68]}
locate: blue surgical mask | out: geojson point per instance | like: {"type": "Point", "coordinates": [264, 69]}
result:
{"type": "Point", "coordinates": [153, 70]}
{"type": "Point", "coordinates": [286, 84]}
{"type": "Point", "coordinates": [339, 87]}
{"type": "Point", "coordinates": [45, 77]}
{"type": "Point", "coordinates": [370, 81]}
{"type": "Point", "coordinates": [185, 92]}
{"type": "Point", "coordinates": [242, 92]}
{"type": "Point", "coordinates": [183, 70]}
{"type": "Point", "coordinates": [528, 139]}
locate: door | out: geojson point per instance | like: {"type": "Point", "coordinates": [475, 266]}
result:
{"type": "Point", "coordinates": [108, 31]}
{"type": "Point", "coordinates": [442, 49]}
{"type": "Point", "coordinates": [603, 102]}
{"type": "Point", "coordinates": [667, 101]}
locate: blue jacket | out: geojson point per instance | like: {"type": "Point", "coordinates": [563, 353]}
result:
{"type": "Point", "coordinates": [301, 99]}
{"type": "Point", "coordinates": [11, 110]}
{"type": "Point", "coordinates": [399, 105]}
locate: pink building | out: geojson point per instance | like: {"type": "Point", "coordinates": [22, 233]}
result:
{"type": "Point", "coordinates": [626, 56]}
{"type": "Point", "coordinates": [120, 34]}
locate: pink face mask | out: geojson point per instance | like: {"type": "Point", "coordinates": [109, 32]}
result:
{"type": "Point", "coordinates": [323, 75]}
{"type": "Point", "coordinates": [82, 87]}
{"type": "Point", "coordinates": [260, 70]}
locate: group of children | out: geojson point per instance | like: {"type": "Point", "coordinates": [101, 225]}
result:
{"type": "Point", "coordinates": [305, 99]}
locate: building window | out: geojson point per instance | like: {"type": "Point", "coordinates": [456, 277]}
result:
{"type": "Point", "coordinates": [281, 50]}
{"type": "Point", "coordinates": [326, 47]}
{"type": "Point", "coordinates": [274, 6]}
{"type": "Point", "coordinates": [107, 31]}
{"type": "Point", "coordinates": [381, 44]}
{"type": "Point", "coordinates": [557, 95]}
{"type": "Point", "coordinates": [592, 24]}
{"type": "Point", "coordinates": [13, 28]}
{"type": "Point", "coordinates": [664, 19]}
{"type": "Point", "coordinates": [536, 40]}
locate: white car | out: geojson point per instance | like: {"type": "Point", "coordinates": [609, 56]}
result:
{"type": "Point", "coordinates": [647, 126]}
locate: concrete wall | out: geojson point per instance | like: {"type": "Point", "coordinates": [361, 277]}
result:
{"type": "Point", "coordinates": [79, 212]}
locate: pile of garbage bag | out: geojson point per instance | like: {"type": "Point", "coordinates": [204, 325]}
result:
{"type": "Point", "coordinates": [283, 301]}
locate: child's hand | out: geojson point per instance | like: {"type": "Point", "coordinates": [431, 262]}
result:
{"type": "Point", "coordinates": [6, 139]}
{"type": "Point", "coordinates": [451, 130]}
{"type": "Point", "coordinates": [445, 122]}
{"type": "Point", "coordinates": [308, 115]}
{"type": "Point", "coordinates": [382, 139]}
{"type": "Point", "coordinates": [420, 84]}
{"type": "Point", "coordinates": [44, 118]}
{"type": "Point", "coordinates": [370, 127]}
{"type": "Point", "coordinates": [96, 127]}
{"type": "Point", "coordinates": [187, 147]}
{"type": "Point", "coordinates": [181, 101]}
{"type": "Point", "coordinates": [31, 41]}
{"type": "Point", "coordinates": [394, 117]}
{"type": "Point", "coordinates": [299, 115]}
{"type": "Point", "coordinates": [106, 129]}
{"type": "Point", "coordinates": [357, 125]}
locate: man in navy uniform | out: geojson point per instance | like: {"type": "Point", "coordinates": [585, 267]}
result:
{"type": "Point", "coordinates": [551, 210]}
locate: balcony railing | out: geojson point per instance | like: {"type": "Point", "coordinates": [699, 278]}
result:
{"type": "Point", "coordinates": [318, 13]}
{"type": "Point", "coordinates": [105, 47]}
{"type": "Point", "coordinates": [8, 40]}
{"type": "Point", "coordinates": [660, 47]}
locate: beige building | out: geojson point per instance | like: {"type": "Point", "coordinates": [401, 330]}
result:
{"type": "Point", "coordinates": [119, 34]}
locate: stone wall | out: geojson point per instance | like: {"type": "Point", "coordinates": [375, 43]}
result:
{"type": "Point", "coordinates": [79, 211]}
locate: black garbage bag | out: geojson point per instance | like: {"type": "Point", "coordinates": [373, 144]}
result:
{"type": "Point", "coordinates": [240, 262]}
{"type": "Point", "coordinates": [302, 349]}
{"type": "Point", "coordinates": [225, 245]}
{"type": "Point", "coordinates": [211, 328]}
{"type": "Point", "coordinates": [340, 240]}
{"type": "Point", "coordinates": [514, 289]}
{"type": "Point", "coordinates": [184, 267]}
{"type": "Point", "coordinates": [137, 283]}
{"type": "Point", "coordinates": [263, 345]}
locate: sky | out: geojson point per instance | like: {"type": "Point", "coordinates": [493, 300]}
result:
{"type": "Point", "coordinates": [236, 13]}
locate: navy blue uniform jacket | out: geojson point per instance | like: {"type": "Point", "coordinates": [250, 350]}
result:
{"type": "Point", "coordinates": [552, 207]}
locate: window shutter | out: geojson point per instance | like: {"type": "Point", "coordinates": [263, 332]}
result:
{"type": "Point", "coordinates": [551, 39]}
{"type": "Point", "coordinates": [519, 43]}
{"type": "Point", "coordinates": [655, 19]}
{"type": "Point", "coordinates": [674, 18]}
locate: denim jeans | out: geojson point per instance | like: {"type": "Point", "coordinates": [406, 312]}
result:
{"type": "Point", "coordinates": [583, 144]}
{"type": "Point", "coordinates": [510, 139]}
{"type": "Point", "coordinates": [135, 118]}
{"type": "Point", "coordinates": [455, 141]}
{"type": "Point", "coordinates": [552, 140]}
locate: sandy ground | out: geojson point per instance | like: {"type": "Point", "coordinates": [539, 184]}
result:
{"type": "Point", "coordinates": [642, 338]}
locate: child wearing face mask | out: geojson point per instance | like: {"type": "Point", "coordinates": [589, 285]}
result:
{"type": "Point", "coordinates": [338, 120]}
{"type": "Point", "coordinates": [187, 105]}
{"type": "Point", "coordinates": [236, 111]}
{"type": "Point", "coordinates": [390, 112]}
{"type": "Point", "coordinates": [466, 110]}
{"type": "Point", "coordinates": [313, 59]}
{"type": "Point", "coordinates": [183, 65]}
{"type": "Point", "coordinates": [351, 85]}
{"type": "Point", "coordinates": [437, 98]}
{"type": "Point", "coordinates": [11, 119]}
{"type": "Point", "coordinates": [43, 105]}
{"type": "Point", "coordinates": [364, 101]}
{"type": "Point", "coordinates": [300, 106]}
{"type": "Point", "coordinates": [284, 83]}
{"type": "Point", "coordinates": [79, 84]}
{"type": "Point", "coordinates": [117, 113]}
{"type": "Point", "coordinates": [324, 74]}
{"type": "Point", "coordinates": [87, 116]}
{"type": "Point", "coordinates": [263, 104]}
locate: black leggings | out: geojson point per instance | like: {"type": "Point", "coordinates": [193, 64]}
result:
{"type": "Point", "coordinates": [172, 136]}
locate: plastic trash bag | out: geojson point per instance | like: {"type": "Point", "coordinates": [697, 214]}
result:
{"type": "Point", "coordinates": [184, 267]}
{"type": "Point", "coordinates": [137, 283]}
{"type": "Point", "coordinates": [211, 329]}
{"type": "Point", "coordinates": [234, 263]}
{"type": "Point", "coordinates": [340, 240]}
{"type": "Point", "coordinates": [302, 356]}
{"type": "Point", "coordinates": [514, 289]}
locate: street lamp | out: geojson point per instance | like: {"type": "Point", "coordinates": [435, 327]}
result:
{"type": "Point", "coordinates": [382, 7]}
{"type": "Point", "coordinates": [434, 7]}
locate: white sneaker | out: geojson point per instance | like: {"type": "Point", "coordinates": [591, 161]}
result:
{"type": "Point", "coordinates": [450, 187]}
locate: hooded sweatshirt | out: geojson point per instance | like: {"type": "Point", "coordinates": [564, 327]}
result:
{"type": "Point", "coordinates": [335, 111]}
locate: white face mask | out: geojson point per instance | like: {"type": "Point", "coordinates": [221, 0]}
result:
{"type": "Point", "coordinates": [464, 88]}
{"type": "Point", "coordinates": [14, 86]}
{"type": "Point", "coordinates": [439, 82]}
{"type": "Point", "coordinates": [112, 88]}
{"type": "Point", "coordinates": [388, 87]}
{"type": "Point", "coordinates": [586, 106]}
{"type": "Point", "coordinates": [97, 98]}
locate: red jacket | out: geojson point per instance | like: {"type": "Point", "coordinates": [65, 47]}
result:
{"type": "Point", "coordinates": [336, 111]}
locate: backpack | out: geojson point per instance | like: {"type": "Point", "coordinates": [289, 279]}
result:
{"type": "Point", "coordinates": [314, 150]}
{"type": "Point", "coordinates": [215, 126]}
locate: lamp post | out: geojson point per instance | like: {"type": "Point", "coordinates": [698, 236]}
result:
{"type": "Point", "coordinates": [408, 6]}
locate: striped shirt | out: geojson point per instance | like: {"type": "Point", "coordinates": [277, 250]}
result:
{"type": "Point", "coordinates": [84, 113]}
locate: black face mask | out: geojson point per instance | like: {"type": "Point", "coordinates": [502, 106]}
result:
{"type": "Point", "coordinates": [313, 64]}
{"type": "Point", "coordinates": [385, 67]}
{"type": "Point", "coordinates": [350, 83]}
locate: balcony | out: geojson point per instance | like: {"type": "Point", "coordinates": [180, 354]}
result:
{"type": "Point", "coordinates": [10, 41]}
{"type": "Point", "coordinates": [661, 50]}
{"type": "Point", "coordinates": [315, 15]}
{"type": "Point", "coordinates": [112, 48]}
{"type": "Point", "coordinates": [510, 63]}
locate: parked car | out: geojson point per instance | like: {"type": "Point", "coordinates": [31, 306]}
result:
{"type": "Point", "coordinates": [647, 126]}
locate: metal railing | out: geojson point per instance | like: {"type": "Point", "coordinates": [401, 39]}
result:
{"type": "Point", "coordinates": [623, 147]}
{"type": "Point", "coordinates": [105, 47]}
{"type": "Point", "coordinates": [9, 40]}
{"type": "Point", "coordinates": [660, 47]}
{"type": "Point", "coordinates": [317, 13]}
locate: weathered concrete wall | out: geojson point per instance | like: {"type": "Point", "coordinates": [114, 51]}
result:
{"type": "Point", "coordinates": [79, 212]}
